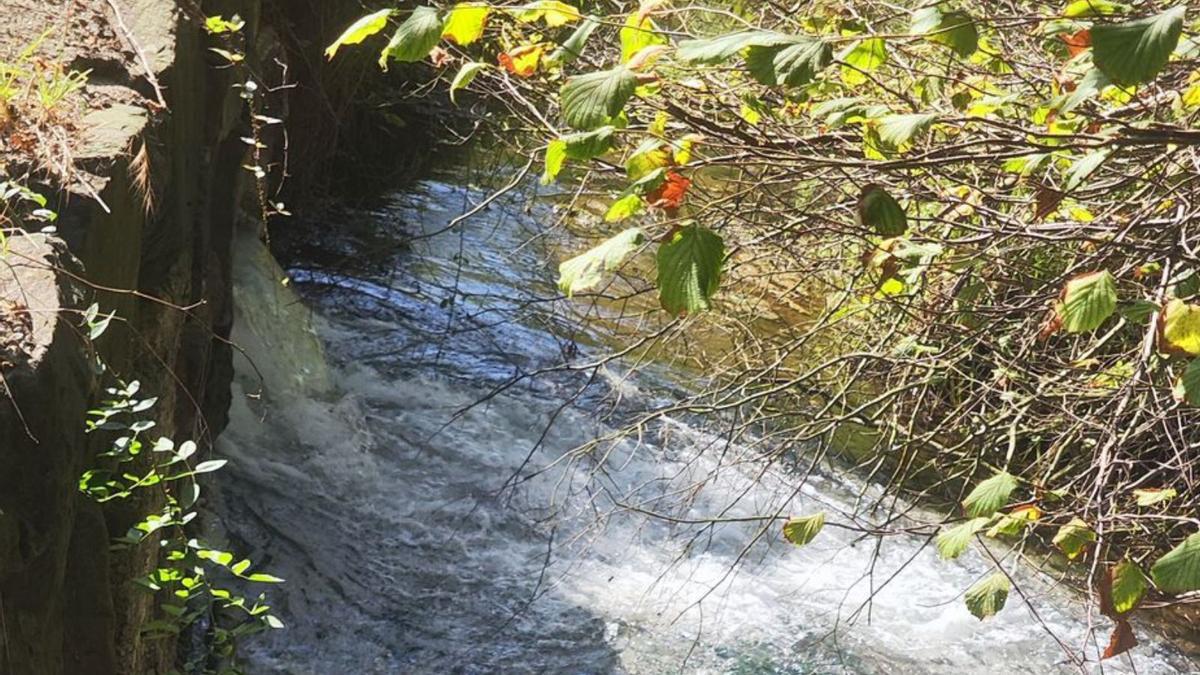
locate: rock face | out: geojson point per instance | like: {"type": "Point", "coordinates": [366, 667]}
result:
{"type": "Point", "coordinates": [146, 232]}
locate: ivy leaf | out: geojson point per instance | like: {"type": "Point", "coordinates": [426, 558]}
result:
{"type": "Point", "coordinates": [465, 76]}
{"type": "Point", "coordinates": [1128, 585]}
{"type": "Point", "coordinates": [360, 30]}
{"type": "Point", "coordinates": [573, 47]}
{"type": "Point", "coordinates": [864, 57]}
{"type": "Point", "coordinates": [990, 496]}
{"type": "Point", "coordinates": [881, 212]}
{"type": "Point", "coordinates": [1134, 52]}
{"type": "Point", "coordinates": [987, 597]}
{"type": "Point", "coordinates": [414, 39]}
{"type": "Point", "coordinates": [1179, 570]}
{"type": "Point", "coordinates": [793, 64]}
{"type": "Point", "coordinates": [1087, 301]}
{"type": "Point", "coordinates": [586, 270]}
{"type": "Point", "coordinates": [1179, 328]}
{"type": "Point", "coordinates": [689, 270]}
{"type": "Point", "coordinates": [716, 50]}
{"type": "Point", "coordinates": [638, 33]}
{"type": "Point", "coordinates": [1153, 496]}
{"type": "Point", "coordinates": [801, 530]}
{"type": "Point", "coordinates": [1074, 538]}
{"type": "Point", "coordinates": [465, 23]}
{"type": "Point", "coordinates": [954, 542]}
{"type": "Point", "coordinates": [953, 29]}
{"type": "Point", "coordinates": [581, 146]}
{"type": "Point", "coordinates": [899, 130]}
{"type": "Point", "coordinates": [590, 101]}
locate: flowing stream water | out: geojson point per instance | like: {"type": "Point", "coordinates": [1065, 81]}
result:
{"type": "Point", "coordinates": [362, 473]}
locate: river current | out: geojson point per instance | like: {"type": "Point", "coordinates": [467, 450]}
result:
{"type": "Point", "coordinates": [429, 515]}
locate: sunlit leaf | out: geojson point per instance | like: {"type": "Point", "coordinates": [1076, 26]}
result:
{"type": "Point", "coordinates": [586, 270]}
{"type": "Point", "coordinates": [1074, 538]}
{"type": "Point", "coordinates": [465, 23]}
{"type": "Point", "coordinates": [987, 597]}
{"type": "Point", "coordinates": [716, 50]}
{"type": "Point", "coordinates": [689, 270]}
{"type": "Point", "coordinates": [590, 101]}
{"type": "Point", "coordinates": [360, 30]}
{"type": "Point", "coordinates": [953, 29]}
{"type": "Point", "coordinates": [953, 542]}
{"type": "Point", "coordinates": [626, 206]}
{"type": "Point", "coordinates": [650, 155]}
{"type": "Point", "coordinates": [1092, 83]}
{"type": "Point", "coordinates": [522, 61]}
{"type": "Point", "coordinates": [414, 39]}
{"type": "Point", "coordinates": [899, 130]}
{"type": "Point", "coordinates": [638, 33]}
{"type": "Point", "coordinates": [865, 57]}
{"type": "Point", "coordinates": [466, 74]}
{"type": "Point", "coordinates": [1179, 570]}
{"type": "Point", "coordinates": [990, 496]}
{"type": "Point", "coordinates": [572, 48]}
{"type": "Point", "coordinates": [1153, 496]}
{"type": "Point", "coordinates": [1128, 586]}
{"type": "Point", "coordinates": [1080, 8]}
{"type": "Point", "coordinates": [1179, 328]}
{"type": "Point", "coordinates": [581, 146]}
{"type": "Point", "coordinates": [801, 530]}
{"type": "Point", "coordinates": [1134, 52]}
{"type": "Point", "coordinates": [1012, 524]}
{"type": "Point", "coordinates": [1087, 301]}
{"type": "Point", "coordinates": [670, 194]}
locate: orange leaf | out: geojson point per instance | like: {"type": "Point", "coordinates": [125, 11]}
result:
{"type": "Point", "coordinates": [522, 61]}
{"type": "Point", "coordinates": [1077, 43]}
{"type": "Point", "coordinates": [670, 194]}
{"type": "Point", "coordinates": [1121, 641]}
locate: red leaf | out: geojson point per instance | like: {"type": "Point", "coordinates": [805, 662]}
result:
{"type": "Point", "coordinates": [1077, 43]}
{"type": "Point", "coordinates": [1121, 641]}
{"type": "Point", "coordinates": [670, 194]}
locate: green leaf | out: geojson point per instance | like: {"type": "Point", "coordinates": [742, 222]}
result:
{"type": "Point", "coordinates": [803, 529]}
{"type": "Point", "coordinates": [1085, 167]}
{"type": "Point", "coordinates": [954, 542]}
{"type": "Point", "coordinates": [1179, 570]}
{"type": "Point", "coordinates": [1011, 524]}
{"type": "Point", "coordinates": [1128, 586]}
{"type": "Point", "coordinates": [990, 496]}
{"type": "Point", "coordinates": [580, 146]}
{"type": "Point", "coordinates": [573, 47]}
{"type": "Point", "coordinates": [881, 212]}
{"type": "Point", "coordinates": [414, 39]}
{"type": "Point", "coordinates": [1074, 538]}
{"type": "Point", "coordinates": [590, 101]}
{"type": "Point", "coordinates": [359, 30]}
{"type": "Point", "coordinates": [652, 154]}
{"type": "Point", "coordinates": [689, 270]}
{"type": "Point", "coordinates": [626, 206]}
{"type": "Point", "coordinates": [953, 29]}
{"type": "Point", "coordinates": [637, 36]}
{"type": "Point", "coordinates": [1088, 300]}
{"type": "Point", "coordinates": [1092, 83]}
{"type": "Point", "coordinates": [1134, 52]}
{"type": "Point", "coordinates": [465, 23]}
{"type": "Point", "coordinates": [899, 130]}
{"type": "Point", "coordinates": [793, 64]}
{"type": "Point", "coordinates": [987, 597]}
{"type": "Point", "coordinates": [719, 49]}
{"type": "Point", "coordinates": [1180, 328]}
{"type": "Point", "coordinates": [465, 76]}
{"type": "Point", "coordinates": [1153, 496]}
{"type": "Point", "coordinates": [586, 270]}
{"type": "Point", "coordinates": [1080, 8]}
{"type": "Point", "coordinates": [261, 578]}
{"type": "Point", "coordinates": [865, 57]}
{"type": "Point", "coordinates": [1189, 383]}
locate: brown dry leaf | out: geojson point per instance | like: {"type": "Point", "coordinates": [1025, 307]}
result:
{"type": "Point", "coordinates": [1121, 640]}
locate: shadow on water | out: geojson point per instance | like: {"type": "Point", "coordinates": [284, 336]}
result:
{"type": "Point", "coordinates": [370, 474]}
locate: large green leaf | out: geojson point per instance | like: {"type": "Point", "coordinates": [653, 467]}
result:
{"type": "Point", "coordinates": [1179, 570]}
{"type": "Point", "coordinates": [719, 49]}
{"type": "Point", "coordinates": [954, 542]}
{"type": "Point", "coordinates": [415, 38]}
{"type": "Point", "coordinates": [689, 270]}
{"type": "Point", "coordinates": [590, 101]}
{"type": "Point", "coordinates": [793, 64]}
{"type": "Point", "coordinates": [881, 212]}
{"type": "Point", "coordinates": [803, 529]}
{"type": "Point", "coordinates": [990, 496]}
{"type": "Point", "coordinates": [586, 270]}
{"type": "Point", "coordinates": [987, 597]}
{"type": "Point", "coordinates": [1074, 538]}
{"type": "Point", "coordinates": [1087, 301]}
{"type": "Point", "coordinates": [865, 57]}
{"type": "Point", "coordinates": [953, 29]}
{"type": "Point", "coordinates": [1128, 586]}
{"type": "Point", "coordinates": [360, 30]}
{"type": "Point", "coordinates": [1134, 52]}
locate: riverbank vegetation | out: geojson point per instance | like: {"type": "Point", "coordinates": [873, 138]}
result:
{"type": "Point", "coordinates": [952, 242]}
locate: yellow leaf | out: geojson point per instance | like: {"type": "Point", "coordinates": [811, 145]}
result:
{"type": "Point", "coordinates": [360, 30]}
{"type": "Point", "coordinates": [465, 23]}
{"type": "Point", "coordinates": [1180, 328]}
{"type": "Point", "coordinates": [553, 12]}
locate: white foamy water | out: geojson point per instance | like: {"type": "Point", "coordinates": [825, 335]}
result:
{"type": "Point", "coordinates": [374, 485]}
